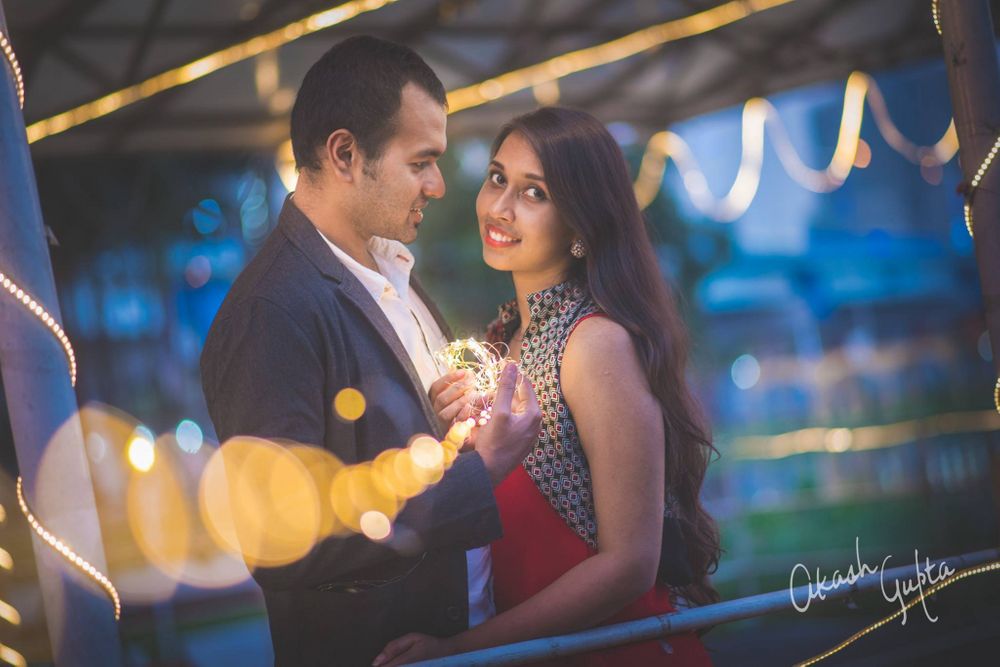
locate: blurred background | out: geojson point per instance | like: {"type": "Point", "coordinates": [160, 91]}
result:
{"type": "Point", "coordinates": [839, 341]}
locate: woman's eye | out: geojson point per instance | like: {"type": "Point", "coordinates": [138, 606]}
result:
{"type": "Point", "coordinates": [535, 193]}
{"type": "Point", "coordinates": [496, 178]}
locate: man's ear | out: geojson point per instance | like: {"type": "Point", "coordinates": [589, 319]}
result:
{"type": "Point", "coordinates": [342, 152]}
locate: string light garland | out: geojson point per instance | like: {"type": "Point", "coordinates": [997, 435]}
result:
{"type": "Point", "coordinates": [8, 51]}
{"type": "Point", "coordinates": [634, 43]}
{"type": "Point", "coordinates": [201, 68]}
{"type": "Point", "coordinates": [45, 318]}
{"type": "Point", "coordinates": [66, 552]}
{"type": "Point", "coordinates": [489, 361]}
{"type": "Point", "coordinates": [958, 576]}
{"type": "Point", "coordinates": [759, 114]}
{"type": "Point", "coordinates": [970, 189]}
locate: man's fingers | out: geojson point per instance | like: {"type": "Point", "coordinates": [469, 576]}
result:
{"type": "Point", "coordinates": [394, 649]}
{"type": "Point", "coordinates": [505, 389]}
{"type": "Point", "coordinates": [455, 392]}
{"type": "Point", "coordinates": [447, 380]}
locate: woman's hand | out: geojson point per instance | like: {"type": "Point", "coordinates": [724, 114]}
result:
{"type": "Point", "coordinates": [413, 647]}
{"type": "Point", "coordinates": [451, 396]}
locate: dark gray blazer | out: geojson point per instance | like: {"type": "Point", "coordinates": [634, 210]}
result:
{"type": "Point", "coordinates": [295, 328]}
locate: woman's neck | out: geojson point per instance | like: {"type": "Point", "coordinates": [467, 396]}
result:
{"type": "Point", "coordinates": [525, 284]}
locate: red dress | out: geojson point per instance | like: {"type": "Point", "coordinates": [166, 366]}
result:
{"type": "Point", "coordinates": [538, 547]}
{"type": "Point", "coordinates": [541, 543]}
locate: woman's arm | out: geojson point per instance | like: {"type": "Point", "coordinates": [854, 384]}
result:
{"type": "Point", "coordinates": [621, 428]}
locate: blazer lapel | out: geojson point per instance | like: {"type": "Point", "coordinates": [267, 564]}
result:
{"type": "Point", "coordinates": [306, 237]}
{"type": "Point", "coordinates": [431, 306]}
{"type": "Point", "coordinates": [358, 295]}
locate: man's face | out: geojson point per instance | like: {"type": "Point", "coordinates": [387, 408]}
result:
{"type": "Point", "coordinates": [393, 191]}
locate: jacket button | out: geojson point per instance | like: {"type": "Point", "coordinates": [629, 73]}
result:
{"type": "Point", "coordinates": [453, 613]}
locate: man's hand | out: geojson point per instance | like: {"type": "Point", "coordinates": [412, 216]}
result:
{"type": "Point", "coordinates": [413, 647]}
{"type": "Point", "coordinates": [513, 427]}
{"type": "Point", "coordinates": [451, 397]}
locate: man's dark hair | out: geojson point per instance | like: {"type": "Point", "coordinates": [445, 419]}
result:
{"type": "Point", "coordinates": [357, 85]}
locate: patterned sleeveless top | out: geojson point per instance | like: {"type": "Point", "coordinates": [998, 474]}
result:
{"type": "Point", "coordinates": [557, 464]}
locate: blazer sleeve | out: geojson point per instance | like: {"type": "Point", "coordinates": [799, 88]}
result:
{"type": "Point", "coordinates": [262, 377]}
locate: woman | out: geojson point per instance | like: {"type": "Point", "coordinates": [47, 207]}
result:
{"type": "Point", "coordinates": [595, 329]}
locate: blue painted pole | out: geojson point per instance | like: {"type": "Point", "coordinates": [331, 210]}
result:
{"type": "Point", "coordinates": [41, 401]}
{"type": "Point", "coordinates": [685, 621]}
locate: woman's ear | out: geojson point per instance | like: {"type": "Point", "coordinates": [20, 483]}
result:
{"type": "Point", "coordinates": [342, 152]}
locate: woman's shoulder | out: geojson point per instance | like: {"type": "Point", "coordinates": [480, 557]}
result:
{"type": "Point", "coordinates": [598, 347]}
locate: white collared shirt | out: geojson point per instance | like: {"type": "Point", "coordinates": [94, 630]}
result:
{"type": "Point", "coordinates": [421, 337]}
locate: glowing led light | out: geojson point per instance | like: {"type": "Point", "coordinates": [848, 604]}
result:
{"type": "Point", "coordinates": [6, 560]}
{"type": "Point", "coordinates": [189, 436]}
{"type": "Point", "coordinates": [141, 452]}
{"type": "Point", "coordinates": [199, 68]}
{"type": "Point", "coordinates": [375, 525]}
{"type": "Point", "coordinates": [67, 552]}
{"type": "Point", "coordinates": [349, 404]}
{"type": "Point", "coordinates": [8, 51]}
{"type": "Point", "coordinates": [745, 371]}
{"type": "Point", "coordinates": [43, 315]}
{"type": "Point", "coordinates": [486, 365]}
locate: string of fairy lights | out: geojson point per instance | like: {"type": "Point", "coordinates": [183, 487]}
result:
{"type": "Point", "coordinates": [201, 68]}
{"type": "Point", "coordinates": [759, 114]}
{"type": "Point", "coordinates": [45, 318]}
{"type": "Point", "coordinates": [67, 552]}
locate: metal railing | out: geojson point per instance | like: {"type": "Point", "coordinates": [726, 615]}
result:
{"type": "Point", "coordinates": [657, 627]}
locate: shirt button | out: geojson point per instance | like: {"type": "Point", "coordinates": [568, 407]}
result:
{"type": "Point", "coordinates": [453, 613]}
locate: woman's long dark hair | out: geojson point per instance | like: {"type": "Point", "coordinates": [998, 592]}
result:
{"type": "Point", "coordinates": [589, 183]}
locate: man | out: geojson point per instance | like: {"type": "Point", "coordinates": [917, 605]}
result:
{"type": "Point", "coordinates": [330, 302]}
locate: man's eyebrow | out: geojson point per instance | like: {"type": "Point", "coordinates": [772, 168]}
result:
{"type": "Point", "coordinates": [429, 152]}
{"type": "Point", "coordinates": [530, 176]}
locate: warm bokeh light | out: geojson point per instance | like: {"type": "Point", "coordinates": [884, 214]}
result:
{"type": "Point", "coordinates": [260, 499]}
{"type": "Point", "coordinates": [354, 492]}
{"type": "Point", "coordinates": [158, 516]}
{"type": "Point", "coordinates": [427, 453]}
{"type": "Point", "coordinates": [349, 404]}
{"type": "Point", "coordinates": [375, 525]}
{"type": "Point", "coordinates": [141, 451]}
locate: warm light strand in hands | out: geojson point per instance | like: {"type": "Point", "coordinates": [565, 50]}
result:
{"type": "Point", "coordinates": [486, 365]}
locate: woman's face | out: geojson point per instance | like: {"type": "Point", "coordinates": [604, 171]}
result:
{"type": "Point", "coordinates": [518, 223]}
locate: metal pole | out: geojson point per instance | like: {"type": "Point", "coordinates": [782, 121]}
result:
{"type": "Point", "coordinates": [41, 401]}
{"type": "Point", "coordinates": [974, 80]}
{"type": "Point", "coordinates": [686, 621]}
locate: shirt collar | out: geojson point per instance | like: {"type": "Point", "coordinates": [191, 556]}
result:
{"type": "Point", "coordinates": [394, 261]}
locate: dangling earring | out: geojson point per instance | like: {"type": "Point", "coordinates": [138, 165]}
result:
{"type": "Point", "coordinates": [577, 249]}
